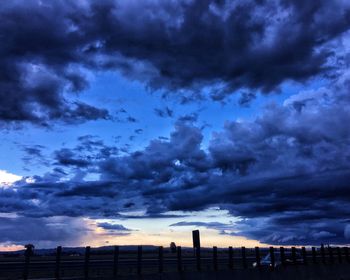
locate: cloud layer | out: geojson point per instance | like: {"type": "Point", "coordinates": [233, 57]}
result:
{"type": "Point", "coordinates": [48, 49]}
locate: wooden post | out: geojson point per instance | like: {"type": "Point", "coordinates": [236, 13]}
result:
{"type": "Point", "coordinates": [347, 257]}
{"type": "Point", "coordinates": [340, 259]}
{"type": "Point", "coordinates": [272, 257]}
{"type": "Point", "coordinates": [244, 258]}
{"type": "Point", "coordinates": [230, 257]}
{"type": "Point", "coordinates": [139, 259]}
{"type": "Point", "coordinates": [196, 239]}
{"type": "Point", "coordinates": [198, 258]}
{"type": "Point", "coordinates": [257, 256]}
{"type": "Point", "coordinates": [115, 261]}
{"type": "Point", "coordinates": [330, 254]}
{"type": "Point", "coordinates": [179, 259]}
{"type": "Point", "coordinates": [294, 256]}
{"type": "Point", "coordinates": [283, 256]}
{"type": "Point", "coordinates": [160, 258]}
{"type": "Point", "coordinates": [87, 262]}
{"type": "Point", "coordinates": [215, 258]}
{"type": "Point", "coordinates": [314, 256]}
{"type": "Point", "coordinates": [27, 254]}
{"type": "Point", "coordinates": [58, 262]}
{"type": "Point", "coordinates": [323, 256]}
{"type": "Point", "coordinates": [303, 252]}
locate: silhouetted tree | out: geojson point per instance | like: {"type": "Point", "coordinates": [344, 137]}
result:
{"type": "Point", "coordinates": [173, 247]}
{"type": "Point", "coordinates": [29, 249]}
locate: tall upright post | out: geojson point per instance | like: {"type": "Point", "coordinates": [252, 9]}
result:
{"type": "Point", "coordinates": [283, 256]}
{"type": "Point", "coordinates": [179, 259]}
{"type": "Point", "coordinates": [257, 257]}
{"type": "Point", "coordinates": [27, 254]}
{"type": "Point", "coordinates": [87, 262]}
{"type": "Point", "coordinates": [58, 262]}
{"type": "Point", "coordinates": [196, 239]}
{"type": "Point", "coordinates": [215, 258]}
{"type": "Point", "coordinates": [198, 258]}
{"type": "Point", "coordinates": [160, 259]}
{"type": "Point", "coordinates": [323, 255]}
{"type": "Point", "coordinates": [272, 257]}
{"type": "Point", "coordinates": [197, 247]}
{"type": "Point", "coordinates": [139, 259]}
{"type": "Point", "coordinates": [230, 257]}
{"type": "Point", "coordinates": [303, 252]}
{"type": "Point", "coordinates": [244, 258]}
{"type": "Point", "coordinates": [294, 255]}
{"type": "Point", "coordinates": [115, 261]}
{"type": "Point", "coordinates": [314, 256]}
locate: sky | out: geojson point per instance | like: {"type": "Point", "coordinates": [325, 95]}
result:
{"type": "Point", "coordinates": [136, 122]}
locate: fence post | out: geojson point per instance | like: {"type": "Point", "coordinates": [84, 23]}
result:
{"type": "Point", "coordinates": [304, 255]}
{"type": "Point", "coordinates": [230, 257]}
{"type": "Point", "coordinates": [330, 254]}
{"type": "Point", "coordinates": [179, 259]}
{"type": "Point", "coordinates": [160, 257]}
{"type": "Point", "coordinates": [314, 258]}
{"type": "Point", "coordinates": [283, 256]}
{"type": "Point", "coordinates": [347, 257]}
{"type": "Point", "coordinates": [58, 262]}
{"type": "Point", "coordinates": [87, 262]}
{"type": "Point", "coordinates": [215, 258]}
{"type": "Point", "coordinates": [139, 259]}
{"type": "Point", "coordinates": [294, 256]}
{"type": "Point", "coordinates": [198, 258]}
{"type": "Point", "coordinates": [27, 254]}
{"type": "Point", "coordinates": [257, 256]}
{"type": "Point", "coordinates": [323, 256]}
{"type": "Point", "coordinates": [115, 261]}
{"type": "Point", "coordinates": [272, 257]}
{"type": "Point", "coordinates": [244, 258]}
{"type": "Point", "coordinates": [340, 260]}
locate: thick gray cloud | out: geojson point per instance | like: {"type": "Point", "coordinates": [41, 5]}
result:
{"type": "Point", "coordinates": [43, 232]}
{"type": "Point", "coordinates": [115, 229]}
{"type": "Point", "coordinates": [48, 48]}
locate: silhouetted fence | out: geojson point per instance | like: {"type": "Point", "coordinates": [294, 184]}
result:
{"type": "Point", "coordinates": [157, 261]}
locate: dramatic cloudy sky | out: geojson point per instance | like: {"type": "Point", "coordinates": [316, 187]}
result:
{"type": "Point", "coordinates": [134, 122]}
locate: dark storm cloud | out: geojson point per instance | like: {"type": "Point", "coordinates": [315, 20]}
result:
{"type": "Point", "coordinates": [246, 98]}
{"type": "Point", "coordinates": [116, 227]}
{"type": "Point", "coordinates": [89, 149]}
{"type": "Point", "coordinates": [67, 157]}
{"type": "Point", "coordinates": [35, 150]}
{"type": "Point", "coordinates": [48, 48]}
{"type": "Point", "coordinates": [44, 232]}
{"type": "Point", "coordinates": [34, 154]}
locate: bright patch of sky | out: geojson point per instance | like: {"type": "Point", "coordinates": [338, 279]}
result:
{"type": "Point", "coordinates": [162, 231]}
{"type": "Point", "coordinates": [7, 178]}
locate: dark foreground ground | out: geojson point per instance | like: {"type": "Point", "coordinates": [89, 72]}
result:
{"type": "Point", "coordinates": [222, 264]}
{"type": "Point", "coordinates": [310, 272]}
